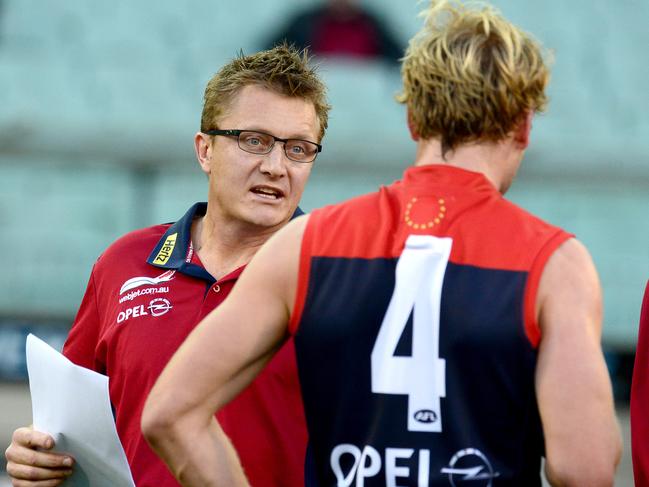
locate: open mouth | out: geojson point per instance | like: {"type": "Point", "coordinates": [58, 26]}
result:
{"type": "Point", "coordinates": [267, 192]}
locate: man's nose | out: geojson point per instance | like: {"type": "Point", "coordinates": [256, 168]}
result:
{"type": "Point", "coordinates": [274, 163]}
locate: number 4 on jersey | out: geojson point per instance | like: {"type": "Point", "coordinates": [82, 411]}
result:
{"type": "Point", "coordinates": [421, 376]}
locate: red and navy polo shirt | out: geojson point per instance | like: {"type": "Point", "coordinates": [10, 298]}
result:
{"type": "Point", "coordinates": [146, 293]}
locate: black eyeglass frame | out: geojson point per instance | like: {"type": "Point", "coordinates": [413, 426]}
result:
{"type": "Point", "coordinates": [237, 132]}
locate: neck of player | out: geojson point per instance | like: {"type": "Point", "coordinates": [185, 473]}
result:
{"type": "Point", "coordinates": [498, 161]}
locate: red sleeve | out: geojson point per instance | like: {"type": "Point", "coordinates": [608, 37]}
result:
{"type": "Point", "coordinates": [81, 344]}
{"type": "Point", "coordinates": [640, 400]}
{"type": "Point", "coordinates": [304, 271]}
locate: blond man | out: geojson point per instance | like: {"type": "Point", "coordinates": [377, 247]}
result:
{"type": "Point", "coordinates": [444, 336]}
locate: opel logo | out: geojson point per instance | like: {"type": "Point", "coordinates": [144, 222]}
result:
{"type": "Point", "coordinates": [159, 306]}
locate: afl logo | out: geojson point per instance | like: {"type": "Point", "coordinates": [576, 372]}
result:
{"type": "Point", "coordinates": [470, 467]}
{"type": "Point", "coordinates": [425, 416]}
{"type": "Point", "coordinates": [159, 306]}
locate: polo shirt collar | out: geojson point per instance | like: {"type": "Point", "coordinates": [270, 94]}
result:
{"type": "Point", "coordinates": [171, 250]}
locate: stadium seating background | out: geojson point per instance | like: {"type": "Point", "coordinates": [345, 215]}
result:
{"type": "Point", "coordinates": [99, 102]}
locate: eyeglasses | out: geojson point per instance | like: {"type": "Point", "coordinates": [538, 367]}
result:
{"type": "Point", "coordinates": [297, 150]}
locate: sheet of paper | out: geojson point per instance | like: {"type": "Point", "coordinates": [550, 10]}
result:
{"type": "Point", "coordinates": [71, 403]}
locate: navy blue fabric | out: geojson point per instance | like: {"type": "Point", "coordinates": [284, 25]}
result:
{"type": "Point", "coordinates": [490, 403]}
{"type": "Point", "coordinates": [183, 228]}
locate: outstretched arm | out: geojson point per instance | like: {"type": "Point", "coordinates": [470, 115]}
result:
{"type": "Point", "coordinates": [582, 437]}
{"type": "Point", "coordinates": [217, 361]}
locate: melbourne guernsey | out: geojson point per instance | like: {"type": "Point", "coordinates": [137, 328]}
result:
{"type": "Point", "coordinates": [416, 335]}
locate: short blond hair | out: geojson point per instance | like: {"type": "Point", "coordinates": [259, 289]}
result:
{"type": "Point", "coordinates": [470, 74]}
{"type": "Point", "coordinates": [283, 69]}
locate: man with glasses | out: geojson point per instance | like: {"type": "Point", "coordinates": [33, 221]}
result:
{"type": "Point", "coordinates": [263, 118]}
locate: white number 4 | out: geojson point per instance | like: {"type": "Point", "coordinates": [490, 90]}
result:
{"type": "Point", "coordinates": [421, 376]}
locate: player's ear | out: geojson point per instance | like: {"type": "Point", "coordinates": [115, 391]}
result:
{"type": "Point", "coordinates": [411, 127]}
{"type": "Point", "coordinates": [203, 149]}
{"type": "Point", "coordinates": [523, 130]}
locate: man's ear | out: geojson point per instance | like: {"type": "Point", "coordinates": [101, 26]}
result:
{"type": "Point", "coordinates": [523, 130]}
{"type": "Point", "coordinates": [203, 149]}
{"type": "Point", "coordinates": [411, 127]}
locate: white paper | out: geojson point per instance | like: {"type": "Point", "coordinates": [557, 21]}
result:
{"type": "Point", "coordinates": [72, 404]}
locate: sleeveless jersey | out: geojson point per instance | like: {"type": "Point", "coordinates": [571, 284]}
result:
{"type": "Point", "coordinates": [416, 335]}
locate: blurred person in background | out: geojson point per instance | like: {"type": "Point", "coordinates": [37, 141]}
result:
{"type": "Point", "coordinates": [263, 118]}
{"type": "Point", "coordinates": [640, 400]}
{"type": "Point", "coordinates": [443, 334]}
{"type": "Point", "coordinates": [341, 28]}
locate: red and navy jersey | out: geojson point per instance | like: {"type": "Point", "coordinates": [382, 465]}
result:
{"type": "Point", "coordinates": [146, 293]}
{"type": "Point", "coordinates": [416, 334]}
{"type": "Point", "coordinates": [640, 400]}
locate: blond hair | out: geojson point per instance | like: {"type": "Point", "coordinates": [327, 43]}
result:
{"type": "Point", "coordinates": [470, 74]}
{"type": "Point", "coordinates": [283, 69]}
